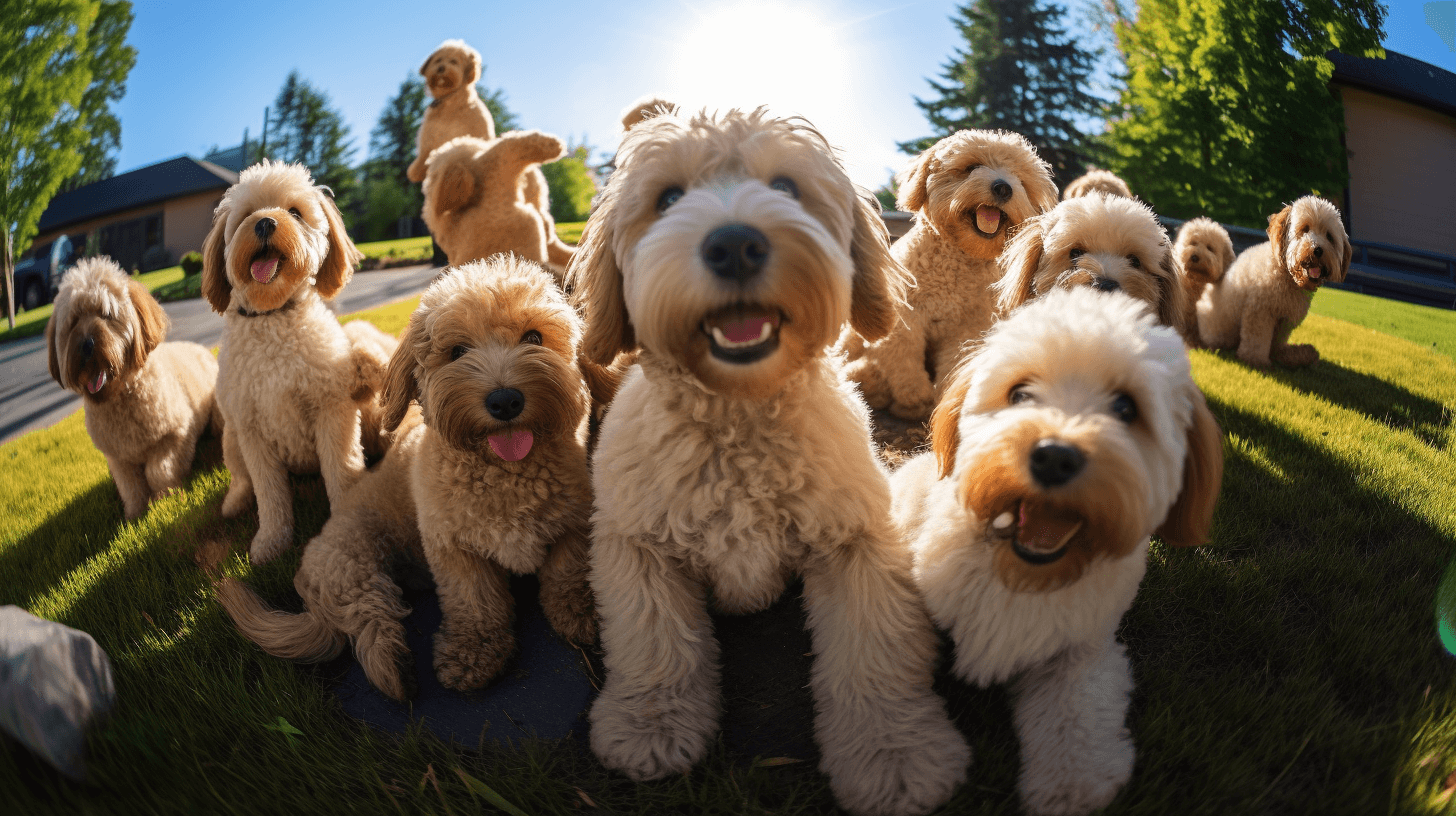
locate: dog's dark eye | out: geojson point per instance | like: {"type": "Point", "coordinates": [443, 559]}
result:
{"type": "Point", "coordinates": [973, 168]}
{"type": "Point", "coordinates": [1076, 253]}
{"type": "Point", "coordinates": [457, 352]}
{"type": "Point", "coordinates": [533, 337]}
{"type": "Point", "coordinates": [668, 198]}
{"type": "Point", "coordinates": [1124, 408]}
{"type": "Point", "coordinates": [784, 184]}
{"type": "Point", "coordinates": [1329, 237]}
{"type": "Point", "coordinates": [1018, 395]}
{"type": "Point", "coordinates": [293, 211]}
{"type": "Point", "coordinates": [1134, 262]}
{"type": "Point", "coordinates": [1303, 229]}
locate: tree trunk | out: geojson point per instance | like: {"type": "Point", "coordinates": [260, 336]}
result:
{"type": "Point", "coordinates": [7, 264]}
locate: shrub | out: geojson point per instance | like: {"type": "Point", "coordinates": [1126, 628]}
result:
{"type": "Point", "coordinates": [191, 263]}
{"type": "Point", "coordinates": [570, 185]}
{"type": "Point", "coordinates": [155, 258]}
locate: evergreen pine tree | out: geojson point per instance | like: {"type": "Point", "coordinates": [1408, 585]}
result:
{"type": "Point", "coordinates": [303, 128]}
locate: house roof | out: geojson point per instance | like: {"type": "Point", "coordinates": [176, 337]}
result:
{"type": "Point", "coordinates": [1398, 76]}
{"type": "Point", "coordinates": [154, 184]}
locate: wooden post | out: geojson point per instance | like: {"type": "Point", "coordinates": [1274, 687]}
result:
{"type": "Point", "coordinates": [8, 264]}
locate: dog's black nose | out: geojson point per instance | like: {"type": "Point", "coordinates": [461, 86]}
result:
{"type": "Point", "coordinates": [736, 252]}
{"type": "Point", "coordinates": [505, 403]}
{"type": "Point", "coordinates": [264, 227]}
{"type": "Point", "coordinates": [1106, 285]}
{"type": "Point", "coordinates": [1193, 258]}
{"type": "Point", "coordinates": [1319, 251]}
{"type": "Point", "coordinates": [87, 346]}
{"type": "Point", "coordinates": [1054, 463]}
{"type": "Point", "coordinates": [1001, 190]}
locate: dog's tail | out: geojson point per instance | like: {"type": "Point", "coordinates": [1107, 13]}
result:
{"type": "Point", "coordinates": [303, 637]}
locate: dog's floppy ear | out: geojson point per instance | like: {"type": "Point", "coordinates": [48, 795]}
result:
{"type": "Point", "coordinates": [595, 282]}
{"type": "Point", "coordinates": [1279, 233]}
{"type": "Point", "coordinates": [880, 281]}
{"type": "Point", "coordinates": [52, 356]}
{"type": "Point", "coordinates": [472, 64]}
{"type": "Point", "coordinates": [424, 68]}
{"type": "Point", "coordinates": [338, 265]}
{"type": "Point", "coordinates": [945, 434]}
{"type": "Point", "coordinates": [915, 183]}
{"type": "Point", "coordinates": [1019, 262]}
{"type": "Point", "coordinates": [1041, 188]}
{"type": "Point", "coordinates": [152, 323]}
{"type": "Point", "coordinates": [452, 188]}
{"type": "Point", "coordinates": [215, 285]}
{"type": "Point", "coordinates": [1191, 515]}
{"type": "Point", "coordinates": [1347, 251]}
{"type": "Point", "coordinates": [401, 383]}
{"type": "Point", "coordinates": [1226, 249]}
{"type": "Point", "coordinates": [1173, 298]}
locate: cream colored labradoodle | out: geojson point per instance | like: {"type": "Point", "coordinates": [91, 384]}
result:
{"type": "Point", "coordinates": [969, 189]}
{"type": "Point", "coordinates": [1203, 252]}
{"type": "Point", "coordinates": [1097, 181]}
{"type": "Point", "coordinates": [291, 383]}
{"type": "Point", "coordinates": [487, 477]}
{"type": "Point", "coordinates": [146, 401]}
{"type": "Point", "coordinates": [1266, 293]}
{"type": "Point", "coordinates": [730, 250]}
{"type": "Point", "coordinates": [1073, 434]}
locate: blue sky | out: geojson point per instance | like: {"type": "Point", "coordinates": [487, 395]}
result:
{"type": "Point", "coordinates": [206, 70]}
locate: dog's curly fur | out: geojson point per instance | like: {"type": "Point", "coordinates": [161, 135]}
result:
{"type": "Point", "coordinates": [450, 73]}
{"type": "Point", "coordinates": [1096, 181]}
{"type": "Point", "coordinates": [444, 496]}
{"type": "Point", "coordinates": [1265, 295]}
{"type": "Point", "coordinates": [146, 401]}
{"type": "Point", "coordinates": [1103, 241]}
{"type": "Point", "coordinates": [970, 190]}
{"type": "Point", "coordinates": [730, 249]}
{"type": "Point", "coordinates": [1072, 435]}
{"type": "Point", "coordinates": [290, 382]}
{"type": "Point", "coordinates": [1203, 252]}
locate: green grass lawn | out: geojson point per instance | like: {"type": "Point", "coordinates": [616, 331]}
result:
{"type": "Point", "coordinates": [1291, 666]}
{"type": "Point", "coordinates": [1424, 325]}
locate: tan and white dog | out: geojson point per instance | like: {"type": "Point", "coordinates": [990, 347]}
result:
{"type": "Point", "coordinates": [730, 250]}
{"type": "Point", "coordinates": [1265, 295]}
{"type": "Point", "coordinates": [291, 381]}
{"type": "Point", "coordinates": [1203, 252]}
{"type": "Point", "coordinates": [146, 401]}
{"type": "Point", "coordinates": [1096, 181]}
{"type": "Point", "coordinates": [1073, 434]}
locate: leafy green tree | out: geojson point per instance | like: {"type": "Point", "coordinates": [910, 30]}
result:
{"type": "Point", "coordinates": [1019, 71]}
{"type": "Point", "coordinates": [111, 60]}
{"type": "Point", "coordinates": [1227, 109]}
{"type": "Point", "coordinates": [393, 140]}
{"type": "Point", "coordinates": [45, 69]}
{"type": "Point", "coordinates": [571, 185]}
{"type": "Point", "coordinates": [303, 128]}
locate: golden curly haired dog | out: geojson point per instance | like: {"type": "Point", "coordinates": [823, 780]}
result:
{"type": "Point", "coordinates": [487, 477]}
{"type": "Point", "coordinates": [1266, 292]}
{"type": "Point", "coordinates": [1074, 433]}
{"type": "Point", "coordinates": [1202, 252]}
{"type": "Point", "coordinates": [1096, 181]}
{"type": "Point", "coordinates": [1107, 242]}
{"type": "Point", "coordinates": [146, 401]}
{"type": "Point", "coordinates": [729, 250]}
{"type": "Point", "coordinates": [290, 382]}
{"type": "Point", "coordinates": [970, 189]}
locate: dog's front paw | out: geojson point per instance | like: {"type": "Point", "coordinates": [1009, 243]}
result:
{"type": "Point", "coordinates": [269, 544]}
{"type": "Point", "coordinates": [1082, 782]}
{"type": "Point", "coordinates": [907, 769]}
{"type": "Point", "coordinates": [913, 411]}
{"type": "Point", "coordinates": [467, 661]}
{"type": "Point", "coordinates": [649, 737]}
{"type": "Point", "coordinates": [1297, 356]}
{"type": "Point", "coordinates": [571, 610]}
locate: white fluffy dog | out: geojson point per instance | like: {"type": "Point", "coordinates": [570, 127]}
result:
{"type": "Point", "coordinates": [1074, 434]}
{"type": "Point", "coordinates": [731, 249]}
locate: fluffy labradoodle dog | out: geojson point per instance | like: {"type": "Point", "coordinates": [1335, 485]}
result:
{"type": "Point", "coordinates": [457, 110]}
{"type": "Point", "coordinates": [730, 249]}
{"type": "Point", "coordinates": [146, 401]}
{"type": "Point", "coordinates": [969, 190]}
{"type": "Point", "coordinates": [1266, 293]}
{"type": "Point", "coordinates": [473, 200]}
{"type": "Point", "coordinates": [1107, 242]}
{"type": "Point", "coordinates": [486, 477]}
{"type": "Point", "coordinates": [1202, 252]}
{"type": "Point", "coordinates": [1097, 181]}
{"type": "Point", "coordinates": [291, 383]}
{"type": "Point", "coordinates": [1072, 435]}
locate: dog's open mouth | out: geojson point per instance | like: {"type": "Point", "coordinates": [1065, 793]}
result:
{"type": "Point", "coordinates": [97, 384]}
{"type": "Point", "coordinates": [1313, 272]}
{"type": "Point", "coordinates": [744, 333]}
{"type": "Point", "coordinates": [1038, 533]}
{"type": "Point", "coordinates": [987, 220]}
{"type": "Point", "coordinates": [265, 266]}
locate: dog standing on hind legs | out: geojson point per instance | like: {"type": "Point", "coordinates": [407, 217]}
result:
{"type": "Point", "coordinates": [731, 250]}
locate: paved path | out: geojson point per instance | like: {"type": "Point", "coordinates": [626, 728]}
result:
{"type": "Point", "coordinates": [30, 399]}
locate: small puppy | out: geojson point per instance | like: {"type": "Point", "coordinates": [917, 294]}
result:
{"type": "Point", "coordinates": [474, 203]}
{"type": "Point", "coordinates": [146, 401]}
{"type": "Point", "coordinates": [290, 382]}
{"type": "Point", "coordinates": [1096, 181]}
{"type": "Point", "coordinates": [457, 110]}
{"type": "Point", "coordinates": [970, 190]}
{"type": "Point", "coordinates": [730, 250]}
{"type": "Point", "coordinates": [1202, 252]}
{"type": "Point", "coordinates": [1107, 242]}
{"type": "Point", "coordinates": [1266, 293]}
{"type": "Point", "coordinates": [1072, 435]}
{"type": "Point", "coordinates": [487, 476]}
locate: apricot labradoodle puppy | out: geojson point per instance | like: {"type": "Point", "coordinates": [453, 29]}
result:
{"type": "Point", "coordinates": [731, 249]}
{"type": "Point", "coordinates": [1203, 252]}
{"type": "Point", "coordinates": [486, 477]}
{"type": "Point", "coordinates": [1074, 434]}
{"type": "Point", "coordinates": [1096, 181]}
{"type": "Point", "coordinates": [1266, 293]}
{"type": "Point", "coordinates": [291, 382]}
{"type": "Point", "coordinates": [146, 401]}
{"type": "Point", "coordinates": [969, 189]}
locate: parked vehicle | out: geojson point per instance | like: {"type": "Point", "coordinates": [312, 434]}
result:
{"type": "Point", "coordinates": [38, 275]}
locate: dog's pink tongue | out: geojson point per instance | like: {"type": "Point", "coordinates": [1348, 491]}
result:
{"type": "Point", "coordinates": [263, 270]}
{"type": "Point", "coordinates": [96, 384]}
{"type": "Point", "coordinates": [511, 446]}
{"type": "Point", "coordinates": [987, 219]}
{"type": "Point", "coordinates": [1045, 529]}
{"type": "Point", "coordinates": [744, 330]}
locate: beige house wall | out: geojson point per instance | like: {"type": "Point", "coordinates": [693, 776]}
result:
{"type": "Point", "coordinates": [185, 222]}
{"type": "Point", "coordinates": [1402, 161]}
